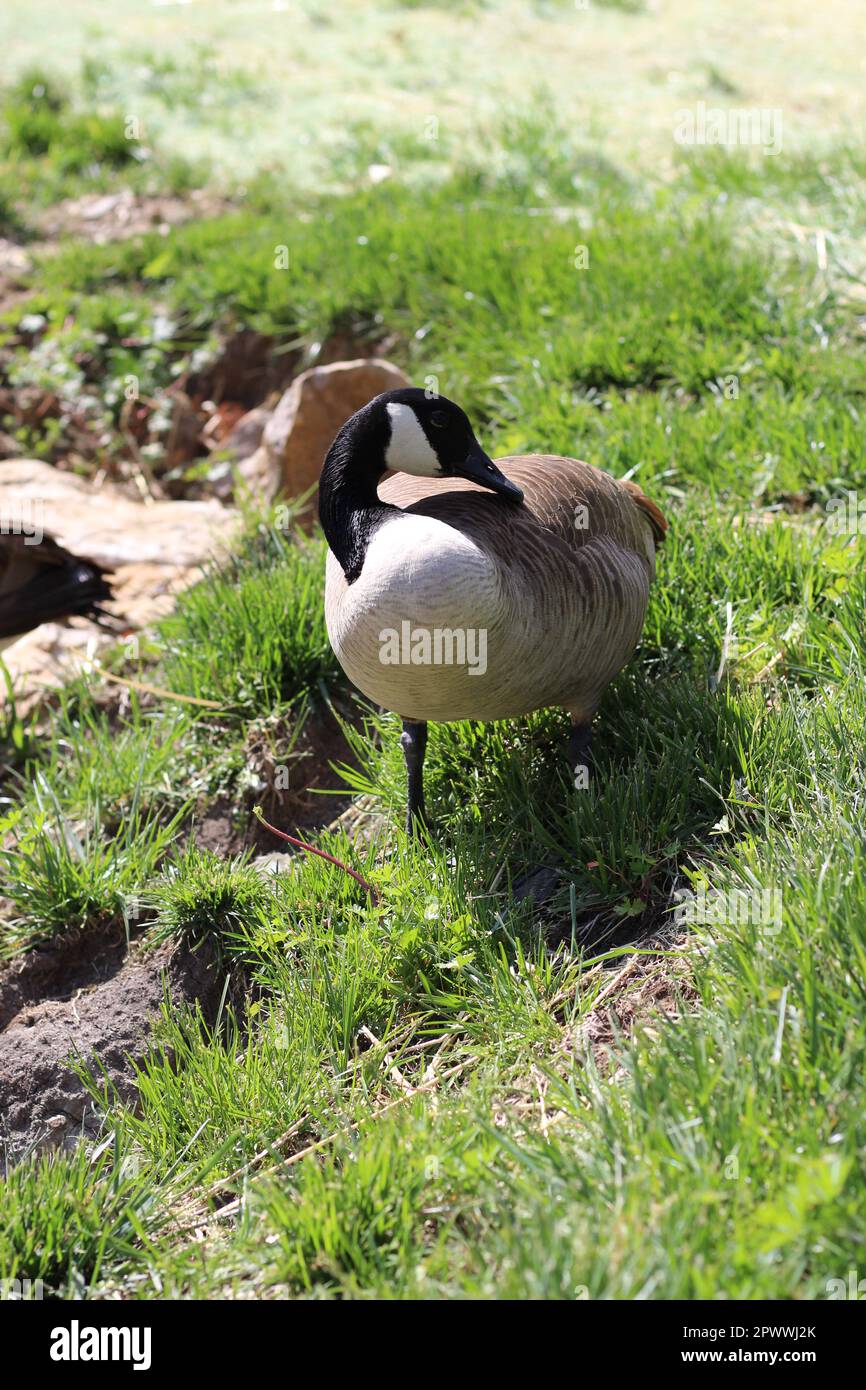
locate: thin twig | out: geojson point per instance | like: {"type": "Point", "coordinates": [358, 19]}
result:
{"type": "Point", "coordinates": [154, 689]}
{"type": "Point", "coordinates": [765, 670]}
{"type": "Point", "coordinates": [145, 481]}
{"type": "Point", "coordinates": [581, 979]}
{"type": "Point", "coordinates": [726, 644]}
{"type": "Point", "coordinates": [613, 985]}
{"type": "Point", "coordinates": [393, 1070]}
{"type": "Point", "coordinates": [322, 854]}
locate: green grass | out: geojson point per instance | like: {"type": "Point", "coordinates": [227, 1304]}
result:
{"type": "Point", "coordinates": [55, 144]}
{"type": "Point", "coordinates": [60, 873]}
{"type": "Point", "coordinates": [254, 637]}
{"type": "Point", "coordinates": [200, 896]}
{"type": "Point", "coordinates": [39, 121]}
{"type": "Point", "coordinates": [93, 756]}
{"type": "Point", "coordinates": [64, 1216]}
{"type": "Point", "coordinates": [452, 1094]}
{"type": "Point", "coordinates": [676, 351]}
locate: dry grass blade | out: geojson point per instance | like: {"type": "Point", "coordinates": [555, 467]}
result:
{"type": "Point", "coordinates": [233, 1208]}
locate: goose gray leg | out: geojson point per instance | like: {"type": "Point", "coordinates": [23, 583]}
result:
{"type": "Point", "coordinates": [414, 743]}
{"type": "Point", "coordinates": [541, 883]}
{"type": "Point", "coordinates": [580, 752]}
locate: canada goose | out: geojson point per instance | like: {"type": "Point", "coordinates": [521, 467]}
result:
{"type": "Point", "coordinates": [41, 582]}
{"type": "Point", "coordinates": [444, 602]}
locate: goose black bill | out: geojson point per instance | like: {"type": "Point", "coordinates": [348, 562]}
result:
{"type": "Point", "coordinates": [478, 468]}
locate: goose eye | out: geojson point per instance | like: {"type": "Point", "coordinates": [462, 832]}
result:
{"type": "Point", "coordinates": [438, 419]}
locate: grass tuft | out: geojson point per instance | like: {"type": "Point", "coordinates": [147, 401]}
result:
{"type": "Point", "coordinates": [200, 896]}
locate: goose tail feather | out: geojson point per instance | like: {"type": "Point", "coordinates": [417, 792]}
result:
{"type": "Point", "coordinates": [56, 593]}
{"type": "Point", "coordinates": [653, 513]}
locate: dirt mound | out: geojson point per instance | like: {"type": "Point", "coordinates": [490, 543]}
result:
{"type": "Point", "coordinates": [103, 217]}
{"type": "Point", "coordinates": [83, 995]}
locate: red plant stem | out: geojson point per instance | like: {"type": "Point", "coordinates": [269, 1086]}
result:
{"type": "Point", "coordinates": [323, 854]}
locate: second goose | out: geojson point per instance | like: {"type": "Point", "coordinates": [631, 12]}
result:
{"type": "Point", "coordinates": [468, 589]}
{"type": "Point", "coordinates": [42, 582]}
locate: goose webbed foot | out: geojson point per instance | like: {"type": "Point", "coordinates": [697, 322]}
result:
{"type": "Point", "coordinates": [414, 744]}
{"type": "Point", "coordinates": [537, 885]}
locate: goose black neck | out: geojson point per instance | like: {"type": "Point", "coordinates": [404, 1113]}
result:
{"type": "Point", "coordinates": [349, 506]}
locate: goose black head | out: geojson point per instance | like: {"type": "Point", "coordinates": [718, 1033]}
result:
{"type": "Point", "coordinates": [407, 431]}
{"type": "Point", "coordinates": [429, 436]}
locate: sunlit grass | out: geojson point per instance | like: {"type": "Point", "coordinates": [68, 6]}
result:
{"type": "Point", "coordinates": [451, 1093]}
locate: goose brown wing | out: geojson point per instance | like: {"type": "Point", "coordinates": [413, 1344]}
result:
{"type": "Point", "coordinates": [565, 500]}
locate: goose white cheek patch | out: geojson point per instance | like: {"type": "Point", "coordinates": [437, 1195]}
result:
{"type": "Point", "coordinates": [409, 450]}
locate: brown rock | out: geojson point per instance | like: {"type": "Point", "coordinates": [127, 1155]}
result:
{"type": "Point", "coordinates": [261, 474]}
{"type": "Point", "coordinates": [104, 525]}
{"type": "Point", "coordinates": [234, 454]}
{"type": "Point", "coordinates": [246, 435]}
{"type": "Point", "coordinates": [318, 402]}
{"type": "Point", "coordinates": [247, 368]}
{"type": "Point", "coordinates": [184, 435]}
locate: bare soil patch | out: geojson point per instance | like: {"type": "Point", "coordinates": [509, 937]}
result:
{"type": "Point", "coordinates": [102, 217]}
{"type": "Point", "coordinates": [297, 790]}
{"type": "Point", "coordinates": [86, 995]}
